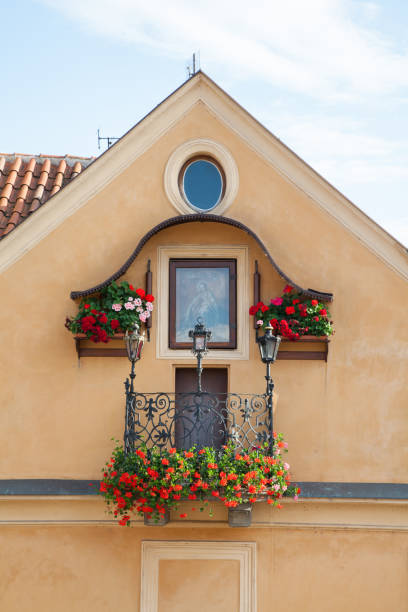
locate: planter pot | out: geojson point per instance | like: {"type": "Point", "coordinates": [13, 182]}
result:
{"type": "Point", "coordinates": [241, 516]}
{"type": "Point", "coordinates": [163, 520]}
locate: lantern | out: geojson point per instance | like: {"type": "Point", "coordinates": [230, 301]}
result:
{"type": "Point", "coordinates": [268, 345]}
{"type": "Point", "coordinates": [134, 344]}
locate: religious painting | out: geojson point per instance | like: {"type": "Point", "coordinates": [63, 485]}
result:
{"type": "Point", "coordinates": [203, 289]}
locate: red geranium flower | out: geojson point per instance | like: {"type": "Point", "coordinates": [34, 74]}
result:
{"type": "Point", "coordinates": [114, 323]}
{"type": "Point", "coordinates": [323, 312]}
{"type": "Point", "coordinates": [314, 302]}
{"type": "Point", "coordinates": [141, 293]}
{"type": "Point", "coordinates": [288, 289]}
{"type": "Point", "coordinates": [149, 298]}
{"type": "Point", "coordinates": [290, 310]}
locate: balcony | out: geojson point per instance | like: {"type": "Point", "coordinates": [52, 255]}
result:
{"type": "Point", "coordinates": [167, 428]}
{"type": "Point", "coordinates": [199, 419]}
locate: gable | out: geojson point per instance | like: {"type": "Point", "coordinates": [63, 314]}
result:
{"type": "Point", "coordinates": [200, 90]}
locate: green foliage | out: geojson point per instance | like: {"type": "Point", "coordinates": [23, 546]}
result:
{"type": "Point", "coordinates": [150, 481]}
{"type": "Point", "coordinates": [114, 310]}
{"type": "Point", "coordinates": [292, 315]}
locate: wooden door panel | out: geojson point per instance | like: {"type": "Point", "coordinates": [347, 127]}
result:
{"type": "Point", "coordinates": [200, 417]}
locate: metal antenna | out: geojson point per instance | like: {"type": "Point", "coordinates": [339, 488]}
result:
{"type": "Point", "coordinates": [191, 70]}
{"type": "Point", "coordinates": [110, 140]}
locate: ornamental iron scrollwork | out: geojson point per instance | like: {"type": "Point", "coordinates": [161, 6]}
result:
{"type": "Point", "coordinates": [199, 419]}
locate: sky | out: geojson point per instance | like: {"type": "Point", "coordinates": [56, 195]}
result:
{"type": "Point", "coordinates": [327, 77]}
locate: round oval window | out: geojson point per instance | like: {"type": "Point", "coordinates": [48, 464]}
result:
{"type": "Point", "coordinates": [202, 184]}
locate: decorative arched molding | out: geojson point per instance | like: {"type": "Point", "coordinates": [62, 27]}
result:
{"type": "Point", "coordinates": [192, 148]}
{"type": "Point", "coordinates": [200, 218]}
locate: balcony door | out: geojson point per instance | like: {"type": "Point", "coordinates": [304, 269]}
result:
{"type": "Point", "coordinates": [201, 418]}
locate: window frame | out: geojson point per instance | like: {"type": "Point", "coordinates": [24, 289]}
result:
{"type": "Point", "coordinates": [231, 264]}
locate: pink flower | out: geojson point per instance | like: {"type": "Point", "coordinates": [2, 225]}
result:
{"type": "Point", "coordinates": [129, 306]}
{"type": "Point", "coordinates": [286, 466]}
{"type": "Point", "coordinates": [149, 306]}
{"type": "Point", "coordinates": [277, 301]}
{"type": "Point", "coordinates": [146, 314]}
{"type": "Point", "coordinates": [117, 307]}
{"type": "Point", "coordinates": [138, 301]}
{"type": "Point", "coordinates": [260, 322]}
{"type": "Point", "coordinates": [142, 317]}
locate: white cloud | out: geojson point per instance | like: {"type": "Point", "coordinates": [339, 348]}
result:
{"type": "Point", "coordinates": [316, 58]}
{"type": "Point", "coordinates": [340, 148]}
{"type": "Point", "coordinates": [310, 47]}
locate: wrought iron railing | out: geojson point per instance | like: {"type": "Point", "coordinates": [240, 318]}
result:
{"type": "Point", "coordinates": [183, 420]}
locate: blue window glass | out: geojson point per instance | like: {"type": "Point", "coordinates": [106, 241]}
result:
{"type": "Point", "coordinates": [202, 184]}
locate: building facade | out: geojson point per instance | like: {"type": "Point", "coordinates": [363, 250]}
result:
{"type": "Point", "coordinates": [341, 405]}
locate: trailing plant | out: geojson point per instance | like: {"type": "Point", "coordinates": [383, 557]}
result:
{"type": "Point", "coordinates": [292, 315]}
{"type": "Point", "coordinates": [151, 481]}
{"type": "Point", "coordinates": [115, 309]}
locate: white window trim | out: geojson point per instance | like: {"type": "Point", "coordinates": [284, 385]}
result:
{"type": "Point", "coordinates": [189, 149]}
{"type": "Point", "coordinates": [240, 253]}
{"type": "Point", "coordinates": [153, 552]}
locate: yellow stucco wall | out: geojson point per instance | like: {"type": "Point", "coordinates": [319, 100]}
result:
{"type": "Point", "coordinates": [98, 568]}
{"type": "Point", "coordinates": [344, 420]}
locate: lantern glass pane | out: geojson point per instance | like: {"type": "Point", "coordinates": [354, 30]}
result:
{"type": "Point", "coordinates": [199, 343]}
{"type": "Point", "coordinates": [139, 348]}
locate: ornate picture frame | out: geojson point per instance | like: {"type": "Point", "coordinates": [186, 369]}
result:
{"type": "Point", "coordinates": [205, 289]}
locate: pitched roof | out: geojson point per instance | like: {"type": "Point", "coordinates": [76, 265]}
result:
{"type": "Point", "coordinates": [201, 89]}
{"type": "Point", "coordinates": [28, 181]}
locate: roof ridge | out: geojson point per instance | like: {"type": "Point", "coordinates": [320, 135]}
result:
{"type": "Point", "coordinates": [45, 156]}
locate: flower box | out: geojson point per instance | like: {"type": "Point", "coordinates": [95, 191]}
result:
{"type": "Point", "coordinates": [157, 522]}
{"type": "Point", "coordinates": [116, 308]}
{"type": "Point", "coordinates": [241, 516]}
{"type": "Point", "coordinates": [86, 348]}
{"type": "Point", "coordinates": [150, 482]}
{"type": "Point", "coordinates": [295, 317]}
{"type": "Point", "coordinates": [306, 348]}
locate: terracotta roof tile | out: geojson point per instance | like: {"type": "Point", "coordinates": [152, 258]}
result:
{"type": "Point", "coordinates": [28, 181]}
